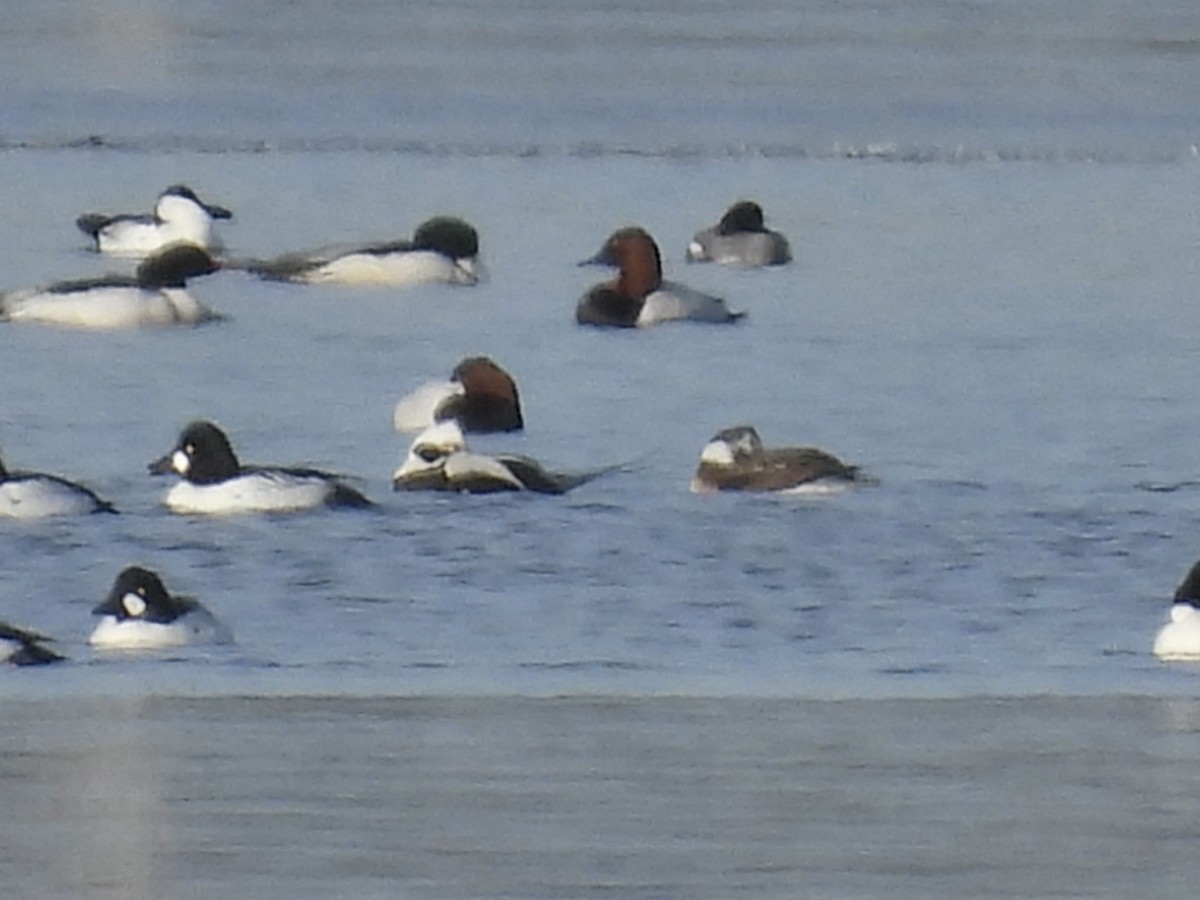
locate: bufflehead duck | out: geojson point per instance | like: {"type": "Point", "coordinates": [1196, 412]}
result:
{"type": "Point", "coordinates": [440, 461]}
{"type": "Point", "coordinates": [735, 460]}
{"type": "Point", "coordinates": [740, 239]}
{"type": "Point", "coordinates": [443, 250]}
{"type": "Point", "coordinates": [179, 215]}
{"type": "Point", "coordinates": [19, 647]}
{"type": "Point", "coordinates": [139, 614]}
{"type": "Point", "coordinates": [214, 482]}
{"type": "Point", "coordinates": [1179, 639]}
{"type": "Point", "coordinates": [35, 495]}
{"type": "Point", "coordinates": [480, 396]}
{"type": "Point", "coordinates": [155, 295]}
{"type": "Point", "coordinates": [639, 297]}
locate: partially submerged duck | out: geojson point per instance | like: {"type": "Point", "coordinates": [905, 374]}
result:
{"type": "Point", "coordinates": [19, 647]}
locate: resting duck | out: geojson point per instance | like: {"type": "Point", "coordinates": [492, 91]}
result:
{"type": "Point", "coordinates": [740, 239]}
{"type": "Point", "coordinates": [480, 396]}
{"type": "Point", "coordinates": [735, 460]}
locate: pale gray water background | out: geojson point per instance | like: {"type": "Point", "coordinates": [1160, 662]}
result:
{"type": "Point", "coordinates": [631, 691]}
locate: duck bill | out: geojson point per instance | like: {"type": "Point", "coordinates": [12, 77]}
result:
{"type": "Point", "coordinates": [162, 466]}
{"type": "Point", "coordinates": [218, 212]}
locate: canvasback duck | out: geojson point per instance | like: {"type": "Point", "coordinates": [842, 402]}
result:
{"type": "Point", "coordinates": [735, 460]}
{"type": "Point", "coordinates": [740, 239]}
{"type": "Point", "coordinates": [36, 495]}
{"type": "Point", "coordinates": [179, 215]}
{"type": "Point", "coordinates": [639, 297]}
{"type": "Point", "coordinates": [439, 460]}
{"type": "Point", "coordinates": [155, 296]}
{"type": "Point", "coordinates": [215, 483]}
{"type": "Point", "coordinates": [1179, 639]}
{"type": "Point", "coordinates": [480, 396]}
{"type": "Point", "coordinates": [443, 250]}
{"type": "Point", "coordinates": [19, 647]}
{"type": "Point", "coordinates": [139, 614]}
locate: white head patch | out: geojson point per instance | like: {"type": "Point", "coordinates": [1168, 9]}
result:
{"type": "Point", "coordinates": [180, 462]}
{"type": "Point", "coordinates": [134, 604]}
{"type": "Point", "coordinates": [717, 453]}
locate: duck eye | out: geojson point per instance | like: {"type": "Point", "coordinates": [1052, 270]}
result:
{"type": "Point", "coordinates": [429, 454]}
{"type": "Point", "coordinates": [189, 449]}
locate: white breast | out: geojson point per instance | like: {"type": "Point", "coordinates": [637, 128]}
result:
{"type": "Point", "coordinates": [407, 268]}
{"type": "Point", "coordinates": [34, 498]}
{"type": "Point", "coordinates": [108, 308]}
{"type": "Point", "coordinates": [259, 492]}
{"type": "Point", "coordinates": [1179, 639]}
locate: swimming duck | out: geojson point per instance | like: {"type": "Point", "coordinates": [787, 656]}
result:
{"type": "Point", "coordinates": [35, 495]}
{"type": "Point", "coordinates": [1179, 639]}
{"type": "Point", "coordinates": [139, 614]}
{"type": "Point", "coordinates": [439, 460]}
{"type": "Point", "coordinates": [155, 295]}
{"type": "Point", "coordinates": [740, 238]}
{"type": "Point", "coordinates": [735, 460]}
{"type": "Point", "coordinates": [480, 396]}
{"type": "Point", "coordinates": [639, 297]}
{"type": "Point", "coordinates": [19, 647]}
{"type": "Point", "coordinates": [179, 215]}
{"type": "Point", "coordinates": [215, 483]}
{"type": "Point", "coordinates": [442, 250]}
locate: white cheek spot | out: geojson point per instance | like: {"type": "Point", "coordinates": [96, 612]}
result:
{"type": "Point", "coordinates": [695, 251]}
{"type": "Point", "coordinates": [134, 605]}
{"type": "Point", "coordinates": [180, 462]}
{"type": "Point", "coordinates": [717, 453]}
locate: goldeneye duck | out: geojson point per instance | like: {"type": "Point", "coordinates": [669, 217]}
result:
{"type": "Point", "coordinates": [443, 250]}
{"type": "Point", "coordinates": [139, 614]}
{"type": "Point", "coordinates": [35, 495]}
{"type": "Point", "coordinates": [639, 297]}
{"type": "Point", "coordinates": [19, 647]}
{"type": "Point", "coordinates": [214, 482]}
{"type": "Point", "coordinates": [740, 238]}
{"type": "Point", "coordinates": [179, 215]}
{"type": "Point", "coordinates": [1179, 639]}
{"type": "Point", "coordinates": [439, 460]}
{"type": "Point", "coordinates": [155, 295]}
{"type": "Point", "coordinates": [480, 396]}
{"type": "Point", "coordinates": [735, 460]}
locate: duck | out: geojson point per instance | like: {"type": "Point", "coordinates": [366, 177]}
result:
{"type": "Point", "coordinates": [179, 215]}
{"type": "Point", "coordinates": [639, 297]}
{"type": "Point", "coordinates": [1179, 639]}
{"type": "Point", "coordinates": [155, 295]}
{"type": "Point", "coordinates": [735, 460]}
{"type": "Point", "coordinates": [740, 239]}
{"type": "Point", "coordinates": [443, 250]}
{"type": "Point", "coordinates": [139, 614]}
{"type": "Point", "coordinates": [19, 647]}
{"type": "Point", "coordinates": [480, 395]}
{"type": "Point", "coordinates": [36, 495]}
{"type": "Point", "coordinates": [439, 460]}
{"type": "Point", "coordinates": [214, 482]}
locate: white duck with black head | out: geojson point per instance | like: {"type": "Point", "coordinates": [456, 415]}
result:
{"type": "Point", "coordinates": [140, 614]}
{"type": "Point", "coordinates": [179, 215]}
{"type": "Point", "coordinates": [156, 295]}
{"type": "Point", "coordinates": [1179, 639]}
{"type": "Point", "coordinates": [214, 482]}
{"type": "Point", "coordinates": [442, 250]}
{"type": "Point", "coordinates": [37, 495]}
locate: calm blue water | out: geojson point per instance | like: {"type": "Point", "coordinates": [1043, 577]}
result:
{"type": "Point", "coordinates": [630, 691]}
{"type": "Point", "coordinates": [989, 311]}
